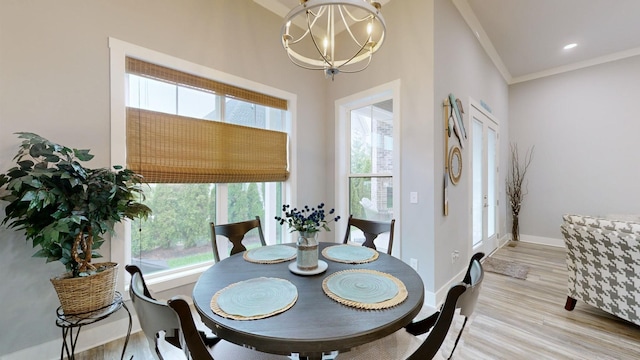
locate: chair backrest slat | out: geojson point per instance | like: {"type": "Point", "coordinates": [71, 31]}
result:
{"type": "Point", "coordinates": [371, 229]}
{"type": "Point", "coordinates": [235, 232]}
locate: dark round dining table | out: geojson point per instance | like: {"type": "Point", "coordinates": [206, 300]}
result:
{"type": "Point", "coordinates": [315, 324]}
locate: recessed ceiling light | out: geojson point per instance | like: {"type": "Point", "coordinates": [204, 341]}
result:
{"type": "Point", "coordinates": [570, 46]}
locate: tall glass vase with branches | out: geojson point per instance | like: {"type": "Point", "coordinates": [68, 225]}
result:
{"type": "Point", "coordinates": [515, 189]}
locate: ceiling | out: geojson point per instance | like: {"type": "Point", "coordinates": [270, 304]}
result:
{"type": "Point", "coordinates": [525, 38]}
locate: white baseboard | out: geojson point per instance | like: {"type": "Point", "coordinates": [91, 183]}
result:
{"type": "Point", "coordinates": [35, 352]}
{"type": "Point", "coordinates": [430, 299]}
{"type": "Point", "coordinates": [542, 240]}
{"type": "Point", "coordinates": [441, 294]}
{"type": "Point", "coordinates": [90, 337]}
{"type": "Point", "coordinates": [435, 299]}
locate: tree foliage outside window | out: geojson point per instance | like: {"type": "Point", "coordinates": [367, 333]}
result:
{"type": "Point", "coordinates": [182, 217]}
{"type": "Point", "coordinates": [359, 187]}
{"type": "Point", "coordinates": [245, 201]}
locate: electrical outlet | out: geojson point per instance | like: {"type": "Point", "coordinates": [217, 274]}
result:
{"type": "Point", "coordinates": [413, 197]}
{"type": "Point", "coordinates": [455, 255]}
{"type": "Point", "coordinates": [414, 263]}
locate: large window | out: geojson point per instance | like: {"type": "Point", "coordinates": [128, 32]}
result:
{"type": "Point", "coordinates": [177, 234]}
{"type": "Point", "coordinates": [371, 162]}
{"type": "Point", "coordinates": [175, 241]}
{"type": "Point", "coordinates": [366, 154]}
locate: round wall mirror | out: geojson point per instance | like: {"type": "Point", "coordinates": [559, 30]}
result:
{"type": "Point", "coordinates": [455, 164]}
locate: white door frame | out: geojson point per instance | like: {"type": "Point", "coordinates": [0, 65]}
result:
{"type": "Point", "coordinates": [488, 244]}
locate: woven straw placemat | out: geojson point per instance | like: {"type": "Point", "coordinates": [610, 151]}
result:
{"type": "Point", "coordinates": [400, 296]}
{"type": "Point", "coordinates": [359, 254]}
{"type": "Point", "coordinates": [253, 294]}
{"type": "Point", "coordinates": [278, 253]}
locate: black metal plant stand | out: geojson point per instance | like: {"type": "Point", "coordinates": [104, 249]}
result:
{"type": "Point", "coordinates": [71, 325]}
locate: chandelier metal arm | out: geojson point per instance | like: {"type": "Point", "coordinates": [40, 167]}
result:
{"type": "Point", "coordinates": [297, 63]}
{"type": "Point", "coordinates": [309, 26]}
{"type": "Point", "coordinates": [313, 38]}
{"type": "Point", "coordinates": [359, 70]}
{"type": "Point", "coordinates": [301, 65]}
{"type": "Point", "coordinates": [369, 16]}
{"type": "Point", "coordinates": [321, 11]}
{"type": "Point", "coordinates": [354, 56]}
{"type": "Point", "coordinates": [349, 29]}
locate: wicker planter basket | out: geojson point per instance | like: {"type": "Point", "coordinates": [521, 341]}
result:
{"type": "Point", "coordinates": [86, 294]}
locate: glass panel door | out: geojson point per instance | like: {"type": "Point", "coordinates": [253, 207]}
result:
{"type": "Point", "coordinates": [485, 181]}
{"type": "Point", "coordinates": [478, 171]}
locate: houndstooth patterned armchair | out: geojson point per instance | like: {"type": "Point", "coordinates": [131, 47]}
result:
{"type": "Point", "coordinates": [603, 259]}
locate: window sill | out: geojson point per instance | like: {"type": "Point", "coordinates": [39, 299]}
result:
{"type": "Point", "coordinates": [164, 282]}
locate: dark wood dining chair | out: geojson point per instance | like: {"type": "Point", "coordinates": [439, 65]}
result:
{"type": "Point", "coordinates": [197, 348]}
{"type": "Point", "coordinates": [371, 229]}
{"type": "Point", "coordinates": [155, 316]}
{"type": "Point", "coordinates": [235, 232]}
{"type": "Point", "coordinates": [466, 303]}
{"type": "Point", "coordinates": [404, 344]}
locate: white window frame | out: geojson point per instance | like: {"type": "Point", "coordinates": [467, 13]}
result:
{"type": "Point", "coordinates": [120, 241]}
{"type": "Point", "coordinates": [343, 108]}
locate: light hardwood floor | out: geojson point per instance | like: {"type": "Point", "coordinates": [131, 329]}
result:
{"type": "Point", "coordinates": [526, 319]}
{"type": "Point", "coordinates": [514, 319]}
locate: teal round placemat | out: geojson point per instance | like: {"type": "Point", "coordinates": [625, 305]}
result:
{"type": "Point", "coordinates": [254, 298]}
{"type": "Point", "coordinates": [364, 288]}
{"type": "Point", "coordinates": [270, 254]}
{"type": "Point", "coordinates": [350, 254]}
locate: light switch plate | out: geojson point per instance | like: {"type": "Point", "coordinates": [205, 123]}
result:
{"type": "Point", "coordinates": [414, 263]}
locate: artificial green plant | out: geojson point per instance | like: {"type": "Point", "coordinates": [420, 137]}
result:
{"type": "Point", "coordinates": [64, 207]}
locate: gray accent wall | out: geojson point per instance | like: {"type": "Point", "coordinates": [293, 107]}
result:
{"type": "Point", "coordinates": [584, 125]}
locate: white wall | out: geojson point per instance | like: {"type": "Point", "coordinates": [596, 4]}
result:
{"type": "Point", "coordinates": [462, 68]}
{"type": "Point", "coordinates": [54, 80]}
{"type": "Point", "coordinates": [585, 127]}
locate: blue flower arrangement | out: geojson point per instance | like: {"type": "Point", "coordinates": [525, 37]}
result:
{"type": "Point", "coordinates": [309, 220]}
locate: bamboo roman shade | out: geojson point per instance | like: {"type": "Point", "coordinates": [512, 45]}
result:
{"type": "Point", "coordinates": [167, 148]}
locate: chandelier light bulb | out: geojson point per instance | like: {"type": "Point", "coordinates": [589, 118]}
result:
{"type": "Point", "coordinates": [325, 45]}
